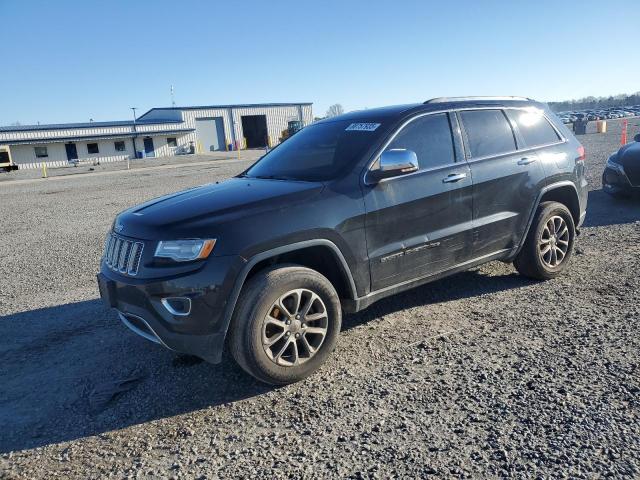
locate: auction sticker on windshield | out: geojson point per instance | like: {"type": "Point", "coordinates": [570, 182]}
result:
{"type": "Point", "coordinates": [363, 127]}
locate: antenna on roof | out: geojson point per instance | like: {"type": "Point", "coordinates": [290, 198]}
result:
{"type": "Point", "coordinates": [173, 100]}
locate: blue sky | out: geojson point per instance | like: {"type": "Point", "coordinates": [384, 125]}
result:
{"type": "Point", "coordinates": [67, 60]}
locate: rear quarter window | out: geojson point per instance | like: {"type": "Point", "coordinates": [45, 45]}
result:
{"type": "Point", "coordinates": [488, 132]}
{"type": "Point", "coordinates": [534, 127]}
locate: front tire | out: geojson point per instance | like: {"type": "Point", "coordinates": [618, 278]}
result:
{"type": "Point", "coordinates": [549, 243]}
{"type": "Point", "coordinates": [285, 325]}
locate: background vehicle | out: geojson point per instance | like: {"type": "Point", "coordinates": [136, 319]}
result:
{"type": "Point", "coordinates": [599, 114]}
{"type": "Point", "coordinates": [346, 212]}
{"type": "Point", "coordinates": [621, 176]}
{"type": "Point", "coordinates": [6, 164]}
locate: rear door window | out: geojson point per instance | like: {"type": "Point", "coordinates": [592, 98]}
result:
{"type": "Point", "coordinates": [430, 138]}
{"type": "Point", "coordinates": [534, 127]}
{"type": "Point", "coordinates": [488, 132]}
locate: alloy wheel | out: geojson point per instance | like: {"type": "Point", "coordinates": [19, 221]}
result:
{"type": "Point", "coordinates": [295, 327]}
{"type": "Point", "coordinates": [554, 242]}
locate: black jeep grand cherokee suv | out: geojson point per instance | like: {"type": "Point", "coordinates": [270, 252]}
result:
{"type": "Point", "coordinates": [347, 211]}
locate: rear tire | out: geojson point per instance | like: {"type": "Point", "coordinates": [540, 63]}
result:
{"type": "Point", "coordinates": [549, 243]}
{"type": "Point", "coordinates": [285, 325]}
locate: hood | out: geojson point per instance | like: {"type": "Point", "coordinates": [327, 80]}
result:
{"type": "Point", "coordinates": [198, 212]}
{"type": "Point", "coordinates": [629, 153]}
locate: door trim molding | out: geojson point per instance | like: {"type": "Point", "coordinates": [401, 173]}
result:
{"type": "Point", "coordinates": [363, 302]}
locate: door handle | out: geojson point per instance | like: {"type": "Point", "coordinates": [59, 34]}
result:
{"type": "Point", "coordinates": [454, 177]}
{"type": "Point", "coordinates": [526, 161]}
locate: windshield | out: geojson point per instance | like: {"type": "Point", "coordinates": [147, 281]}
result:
{"type": "Point", "coordinates": [318, 152]}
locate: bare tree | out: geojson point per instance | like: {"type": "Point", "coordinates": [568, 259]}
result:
{"type": "Point", "coordinates": [335, 110]}
{"type": "Point", "coordinates": [596, 102]}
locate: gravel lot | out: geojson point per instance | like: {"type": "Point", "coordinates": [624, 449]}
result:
{"type": "Point", "coordinates": [483, 374]}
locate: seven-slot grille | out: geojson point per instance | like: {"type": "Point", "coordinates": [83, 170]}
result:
{"type": "Point", "coordinates": [122, 255]}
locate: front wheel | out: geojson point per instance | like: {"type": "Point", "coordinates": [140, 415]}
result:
{"type": "Point", "coordinates": [285, 325]}
{"type": "Point", "coordinates": [549, 243]}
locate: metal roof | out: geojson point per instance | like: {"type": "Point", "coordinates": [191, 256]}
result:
{"type": "Point", "coordinates": [238, 105]}
{"type": "Point", "coordinates": [140, 120]}
{"type": "Point", "coordinates": [66, 126]}
{"type": "Point", "coordinates": [84, 138]}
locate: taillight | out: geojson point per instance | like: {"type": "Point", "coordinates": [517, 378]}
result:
{"type": "Point", "coordinates": [582, 155]}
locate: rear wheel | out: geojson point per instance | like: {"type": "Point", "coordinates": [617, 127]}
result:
{"type": "Point", "coordinates": [285, 325]}
{"type": "Point", "coordinates": [549, 243]}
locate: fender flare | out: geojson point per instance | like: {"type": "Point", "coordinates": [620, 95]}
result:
{"type": "Point", "coordinates": [543, 191]}
{"type": "Point", "coordinates": [242, 276]}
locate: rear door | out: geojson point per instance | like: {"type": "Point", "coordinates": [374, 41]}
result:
{"type": "Point", "coordinates": [506, 181]}
{"type": "Point", "coordinates": [419, 224]}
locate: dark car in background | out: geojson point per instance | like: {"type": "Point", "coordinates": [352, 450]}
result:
{"type": "Point", "coordinates": [621, 176]}
{"type": "Point", "coordinates": [346, 212]}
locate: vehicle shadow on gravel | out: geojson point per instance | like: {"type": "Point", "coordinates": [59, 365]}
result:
{"type": "Point", "coordinates": [462, 285]}
{"type": "Point", "coordinates": [603, 210]}
{"type": "Point", "coordinates": [73, 371]}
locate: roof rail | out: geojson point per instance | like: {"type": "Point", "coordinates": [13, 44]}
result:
{"type": "Point", "coordinates": [468, 99]}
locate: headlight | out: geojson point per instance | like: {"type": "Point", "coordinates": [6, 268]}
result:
{"type": "Point", "coordinates": [185, 250]}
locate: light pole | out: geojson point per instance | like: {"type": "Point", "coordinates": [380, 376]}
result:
{"type": "Point", "coordinates": [135, 150]}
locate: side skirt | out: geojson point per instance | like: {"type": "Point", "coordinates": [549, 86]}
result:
{"type": "Point", "coordinates": [352, 306]}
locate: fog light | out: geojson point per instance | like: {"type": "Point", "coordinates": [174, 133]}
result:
{"type": "Point", "coordinates": [180, 306]}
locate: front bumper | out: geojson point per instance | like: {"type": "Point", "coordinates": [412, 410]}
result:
{"type": "Point", "coordinates": [616, 181]}
{"type": "Point", "coordinates": [199, 332]}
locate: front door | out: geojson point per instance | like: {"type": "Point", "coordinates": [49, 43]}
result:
{"type": "Point", "coordinates": [505, 181]}
{"type": "Point", "coordinates": [72, 151]}
{"type": "Point", "coordinates": [148, 147]}
{"type": "Point", "coordinates": [420, 224]}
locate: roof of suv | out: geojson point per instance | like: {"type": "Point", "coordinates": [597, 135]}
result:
{"type": "Point", "coordinates": [384, 114]}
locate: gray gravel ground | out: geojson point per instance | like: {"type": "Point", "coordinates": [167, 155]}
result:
{"type": "Point", "coordinates": [483, 374]}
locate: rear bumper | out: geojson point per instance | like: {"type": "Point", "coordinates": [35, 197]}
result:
{"type": "Point", "coordinates": [199, 331]}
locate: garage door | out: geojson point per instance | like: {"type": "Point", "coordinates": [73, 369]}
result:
{"type": "Point", "coordinates": [210, 134]}
{"type": "Point", "coordinates": [254, 129]}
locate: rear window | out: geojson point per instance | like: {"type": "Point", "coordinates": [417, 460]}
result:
{"type": "Point", "coordinates": [488, 132]}
{"type": "Point", "coordinates": [534, 127]}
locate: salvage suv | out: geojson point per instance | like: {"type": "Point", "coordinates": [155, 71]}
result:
{"type": "Point", "coordinates": [347, 211]}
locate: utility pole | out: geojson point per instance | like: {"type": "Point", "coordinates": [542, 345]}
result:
{"type": "Point", "coordinates": [135, 150]}
{"type": "Point", "coordinates": [173, 100]}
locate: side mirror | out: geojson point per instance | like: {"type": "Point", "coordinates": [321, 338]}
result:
{"type": "Point", "coordinates": [393, 163]}
{"type": "Point", "coordinates": [637, 137]}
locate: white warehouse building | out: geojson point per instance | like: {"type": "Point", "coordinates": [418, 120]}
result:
{"type": "Point", "coordinates": [158, 132]}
